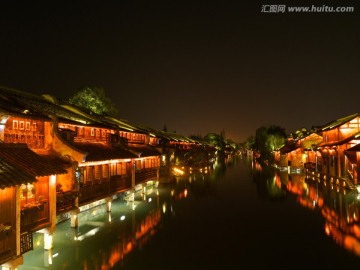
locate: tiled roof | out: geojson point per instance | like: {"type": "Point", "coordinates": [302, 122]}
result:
{"type": "Point", "coordinates": [102, 151]}
{"type": "Point", "coordinates": [344, 140]}
{"type": "Point", "coordinates": [288, 148]}
{"type": "Point", "coordinates": [45, 106]}
{"type": "Point", "coordinates": [339, 122]}
{"type": "Point", "coordinates": [27, 161]}
{"type": "Point", "coordinates": [11, 176]}
{"type": "Point", "coordinates": [144, 151]}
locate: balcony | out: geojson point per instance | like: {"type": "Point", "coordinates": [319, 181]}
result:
{"type": "Point", "coordinates": [65, 200]}
{"type": "Point", "coordinates": [146, 175]}
{"type": "Point", "coordinates": [100, 189]}
{"type": "Point", "coordinates": [34, 214]}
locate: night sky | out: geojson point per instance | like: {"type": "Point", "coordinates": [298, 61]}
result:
{"type": "Point", "coordinates": [194, 66]}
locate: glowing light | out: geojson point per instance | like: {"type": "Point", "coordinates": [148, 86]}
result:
{"type": "Point", "coordinates": [52, 180]}
{"type": "Point", "coordinates": [164, 208]}
{"type": "Point", "coordinates": [327, 229]}
{"type": "Point", "coordinates": [102, 162]}
{"type": "Point", "coordinates": [149, 200]}
{"type": "Point", "coordinates": [122, 218]}
{"type": "Point", "coordinates": [48, 241]}
{"type": "Point", "coordinates": [178, 171]}
{"type": "Point", "coordinates": [86, 235]}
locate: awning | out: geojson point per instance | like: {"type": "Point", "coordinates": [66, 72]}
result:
{"type": "Point", "coordinates": [11, 176]}
{"type": "Point", "coordinates": [28, 162]}
{"type": "Point", "coordinates": [101, 151]}
{"type": "Point", "coordinates": [144, 150]}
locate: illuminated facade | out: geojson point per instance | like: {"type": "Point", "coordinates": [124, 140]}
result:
{"type": "Point", "coordinates": [339, 136]}
{"type": "Point", "coordinates": [76, 158]}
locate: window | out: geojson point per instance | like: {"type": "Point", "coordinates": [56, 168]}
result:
{"type": "Point", "coordinates": [27, 193]}
{"type": "Point", "coordinates": [97, 172]}
{"type": "Point", "coordinates": [21, 125]}
{"type": "Point", "coordinates": [92, 132]}
{"type": "Point", "coordinates": [15, 124]}
{"type": "Point", "coordinates": [121, 168]}
{"type": "Point", "coordinates": [27, 126]}
{"type": "Point", "coordinates": [104, 171]}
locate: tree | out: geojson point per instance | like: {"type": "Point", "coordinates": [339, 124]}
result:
{"type": "Point", "coordinates": [216, 140]}
{"type": "Point", "coordinates": [94, 98]}
{"type": "Point", "coordinates": [268, 139]}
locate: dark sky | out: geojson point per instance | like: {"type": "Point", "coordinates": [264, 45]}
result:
{"type": "Point", "coordinates": [196, 66]}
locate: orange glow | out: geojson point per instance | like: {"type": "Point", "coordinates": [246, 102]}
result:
{"type": "Point", "coordinates": [327, 229]}
{"type": "Point", "coordinates": [102, 162]}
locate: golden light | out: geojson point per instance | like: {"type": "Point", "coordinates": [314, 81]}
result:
{"type": "Point", "coordinates": [164, 208]}
{"type": "Point", "coordinates": [327, 229]}
{"type": "Point", "coordinates": [48, 241]}
{"type": "Point", "coordinates": [178, 171]}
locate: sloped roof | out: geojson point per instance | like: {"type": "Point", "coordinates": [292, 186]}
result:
{"type": "Point", "coordinates": [102, 151]}
{"type": "Point", "coordinates": [345, 140]}
{"type": "Point", "coordinates": [339, 122]}
{"type": "Point", "coordinates": [144, 150]}
{"type": "Point", "coordinates": [288, 148]}
{"type": "Point", "coordinates": [44, 106]}
{"type": "Point", "coordinates": [176, 137]}
{"type": "Point", "coordinates": [11, 176]}
{"type": "Point", "coordinates": [124, 125]}
{"type": "Point", "coordinates": [27, 161]}
{"type": "Point", "coordinates": [310, 140]}
{"type": "Point", "coordinates": [351, 153]}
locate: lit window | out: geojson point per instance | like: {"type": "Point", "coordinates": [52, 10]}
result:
{"type": "Point", "coordinates": [15, 124]}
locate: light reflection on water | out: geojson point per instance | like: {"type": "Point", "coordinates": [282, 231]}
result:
{"type": "Point", "coordinates": [338, 206]}
{"type": "Point", "coordinates": [236, 203]}
{"type": "Point", "coordinates": [103, 239]}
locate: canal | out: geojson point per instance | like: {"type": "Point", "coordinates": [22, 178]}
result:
{"type": "Point", "coordinates": [235, 215]}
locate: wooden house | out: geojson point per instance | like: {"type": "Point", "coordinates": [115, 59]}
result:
{"type": "Point", "coordinates": [106, 155]}
{"type": "Point", "coordinates": [28, 201]}
{"type": "Point", "coordinates": [339, 136]}
{"type": "Point", "coordinates": [298, 152]}
{"type": "Point", "coordinates": [353, 163]}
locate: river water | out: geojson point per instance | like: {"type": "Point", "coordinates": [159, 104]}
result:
{"type": "Point", "coordinates": [233, 216]}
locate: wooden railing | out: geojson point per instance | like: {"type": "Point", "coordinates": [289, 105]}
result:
{"type": "Point", "coordinates": [33, 215]}
{"type": "Point", "coordinates": [101, 189]}
{"type": "Point", "coordinates": [145, 175]}
{"type": "Point", "coordinates": [65, 200]}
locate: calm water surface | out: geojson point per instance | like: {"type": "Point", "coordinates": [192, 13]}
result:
{"type": "Point", "coordinates": [235, 216]}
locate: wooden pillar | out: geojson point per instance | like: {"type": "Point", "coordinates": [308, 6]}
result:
{"type": "Point", "coordinates": [48, 241]}
{"type": "Point", "coordinates": [340, 165]}
{"type": "Point", "coordinates": [133, 169]}
{"type": "Point", "coordinates": [18, 260]}
{"type": "Point", "coordinates": [52, 200]}
{"type": "Point", "coordinates": [108, 204]}
{"type": "Point", "coordinates": [74, 219]}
